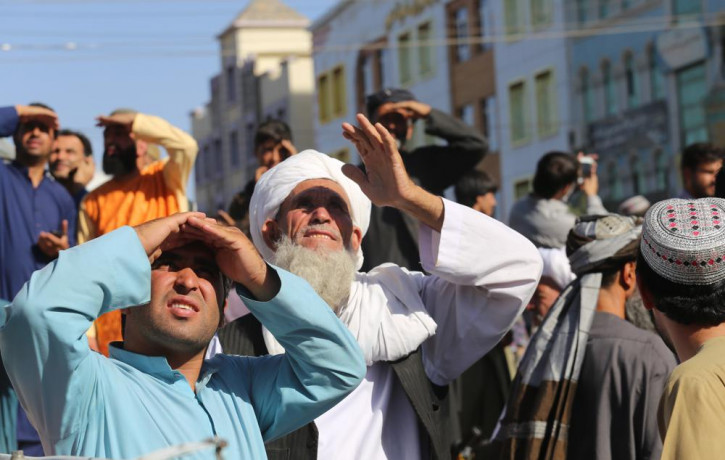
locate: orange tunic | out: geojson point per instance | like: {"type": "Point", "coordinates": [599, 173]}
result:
{"type": "Point", "coordinates": [159, 190]}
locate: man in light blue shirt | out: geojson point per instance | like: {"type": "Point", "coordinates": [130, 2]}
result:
{"type": "Point", "coordinates": [156, 389]}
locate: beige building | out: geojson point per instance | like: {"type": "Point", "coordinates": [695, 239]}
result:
{"type": "Point", "coordinates": [266, 72]}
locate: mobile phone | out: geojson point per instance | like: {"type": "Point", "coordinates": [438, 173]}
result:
{"type": "Point", "coordinates": [586, 164]}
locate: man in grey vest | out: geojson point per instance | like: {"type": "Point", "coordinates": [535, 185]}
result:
{"type": "Point", "coordinates": [417, 332]}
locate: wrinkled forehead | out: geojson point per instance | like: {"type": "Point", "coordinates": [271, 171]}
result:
{"type": "Point", "coordinates": [317, 188]}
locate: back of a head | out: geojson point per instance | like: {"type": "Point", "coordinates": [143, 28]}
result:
{"type": "Point", "coordinates": [603, 244]}
{"type": "Point", "coordinates": [87, 147]}
{"type": "Point", "coordinates": [272, 130]}
{"type": "Point", "coordinates": [554, 171]}
{"type": "Point", "coordinates": [682, 260]}
{"type": "Point", "coordinates": [473, 184]}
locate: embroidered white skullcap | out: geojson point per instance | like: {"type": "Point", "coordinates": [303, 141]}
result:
{"type": "Point", "coordinates": [634, 206]}
{"type": "Point", "coordinates": [276, 184]}
{"type": "Point", "coordinates": [683, 241]}
{"type": "Point", "coordinates": [556, 266]}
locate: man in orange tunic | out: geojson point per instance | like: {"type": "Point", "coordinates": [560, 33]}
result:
{"type": "Point", "coordinates": [143, 187]}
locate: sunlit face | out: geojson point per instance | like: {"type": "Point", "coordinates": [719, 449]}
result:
{"type": "Point", "coordinates": [36, 139]}
{"type": "Point", "coordinates": [544, 297]}
{"type": "Point", "coordinates": [184, 311]}
{"type": "Point", "coordinates": [316, 214]}
{"type": "Point", "coordinates": [67, 155]}
{"type": "Point", "coordinates": [700, 182]}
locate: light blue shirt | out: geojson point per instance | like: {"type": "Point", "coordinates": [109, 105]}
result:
{"type": "Point", "coordinates": [85, 404]}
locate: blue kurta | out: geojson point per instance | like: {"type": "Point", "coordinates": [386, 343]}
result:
{"type": "Point", "coordinates": [124, 406]}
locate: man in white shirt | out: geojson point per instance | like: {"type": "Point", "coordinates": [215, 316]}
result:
{"type": "Point", "coordinates": [417, 332]}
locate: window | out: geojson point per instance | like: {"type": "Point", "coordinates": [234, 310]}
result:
{"type": "Point", "coordinates": [489, 122]}
{"type": "Point", "coordinates": [631, 80]}
{"type": "Point", "coordinates": [686, 7]}
{"type": "Point", "coordinates": [381, 59]}
{"type": "Point", "coordinates": [615, 185]}
{"type": "Point", "coordinates": [604, 8]}
{"type": "Point", "coordinates": [522, 188]}
{"type": "Point", "coordinates": [661, 161]}
{"type": "Point", "coordinates": [512, 17]}
{"type": "Point", "coordinates": [234, 148]}
{"type": "Point", "coordinates": [638, 182]}
{"type": "Point", "coordinates": [517, 105]}
{"type": "Point", "coordinates": [587, 94]}
{"type": "Point", "coordinates": [251, 155]}
{"type": "Point", "coordinates": [425, 50]}
{"type": "Point", "coordinates": [467, 114]}
{"type": "Point", "coordinates": [485, 117]}
{"type": "Point", "coordinates": [610, 90]}
{"type": "Point", "coordinates": [323, 98]}
{"type": "Point", "coordinates": [691, 90]}
{"type": "Point", "coordinates": [231, 84]}
{"type": "Point", "coordinates": [339, 106]}
{"type": "Point", "coordinates": [218, 159]}
{"type": "Point", "coordinates": [546, 123]}
{"type": "Point", "coordinates": [461, 24]}
{"type": "Point", "coordinates": [581, 10]}
{"type": "Point", "coordinates": [404, 64]}
{"type": "Point", "coordinates": [656, 76]}
{"type": "Point", "coordinates": [200, 165]}
{"type": "Point", "coordinates": [540, 13]}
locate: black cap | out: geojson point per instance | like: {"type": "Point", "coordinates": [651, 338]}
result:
{"type": "Point", "coordinates": [375, 100]}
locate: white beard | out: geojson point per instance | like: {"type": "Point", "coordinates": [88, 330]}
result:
{"type": "Point", "coordinates": [330, 273]}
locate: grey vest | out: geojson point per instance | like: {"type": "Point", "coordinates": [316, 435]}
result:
{"type": "Point", "coordinates": [429, 401]}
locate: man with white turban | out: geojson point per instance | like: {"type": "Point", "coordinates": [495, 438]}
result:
{"type": "Point", "coordinates": [417, 332]}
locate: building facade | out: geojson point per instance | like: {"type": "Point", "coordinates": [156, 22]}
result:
{"type": "Point", "coordinates": [646, 79]}
{"type": "Point", "coordinates": [266, 72]}
{"type": "Point", "coordinates": [531, 51]}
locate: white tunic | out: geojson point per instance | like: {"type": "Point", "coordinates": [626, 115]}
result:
{"type": "Point", "coordinates": [482, 276]}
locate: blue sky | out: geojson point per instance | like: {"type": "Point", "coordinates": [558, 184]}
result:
{"type": "Point", "coordinates": [87, 57]}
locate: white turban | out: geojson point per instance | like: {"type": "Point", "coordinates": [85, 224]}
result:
{"type": "Point", "coordinates": [276, 184]}
{"type": "Point", "coordinates": [557, 267]}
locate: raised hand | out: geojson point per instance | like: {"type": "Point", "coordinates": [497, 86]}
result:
{"type": "Point", "coordinates": [166, 233]}
{"type": "Point", "coordinates": [236, 256]}
{"type": "Point", "coordinates": [51, 244]}
{"type": "Point", "coordinates": [28, 113]}
{"type": "Point", "coordinates": [120, 119]}
{"type": "Point", "coordinates": [385, 180]}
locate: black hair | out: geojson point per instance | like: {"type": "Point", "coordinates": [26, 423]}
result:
{"type": "Point", "coordinates": [473, 184]}
{"type": "Point", "coordinates": [554, 171]}
{"type": "Point", "coordinates": [701, 305]}
{"type": "Point", "coordinates": [87, 148]}
{"type": "Point", "coordinates": [700, 153]}
{"type": "Point", "coordinates": [41, 105]}
{"type": "Point", "coordinates": [274, 130]}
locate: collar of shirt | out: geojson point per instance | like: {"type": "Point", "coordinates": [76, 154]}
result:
{"type": "Point", "coordinates": [24, 170]}
{"type": "Point", "coordinates": [158, 366]}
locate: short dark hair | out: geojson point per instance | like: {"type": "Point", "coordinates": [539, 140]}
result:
{"type": "Point", "coordinates": [697, 304]}
{"type": "Point", "coordinates": [274, 130]}
{"type": "Point", "coordinates": [554, 171]}
{"type": "Point", "coordinates": [40, 104]}
{"type": "Point", "coordinates": [87, 148]}
{"type": "Point", "coordinates": [700, 153]}
{"type": "Point", "coordinates": [473, 184]}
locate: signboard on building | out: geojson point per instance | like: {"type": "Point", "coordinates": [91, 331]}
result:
{"type": "Point", "coordinates": [643, 127]}
{"type": "Point", "coordinates": [682, 47]}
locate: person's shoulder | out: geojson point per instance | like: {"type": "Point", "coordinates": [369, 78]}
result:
{"type": "Point", "coordinates": [154, 168]}
{"type": "Point", "coordinates": [701, 368]}
{"type": "Point", "coordinates": [644, 346]}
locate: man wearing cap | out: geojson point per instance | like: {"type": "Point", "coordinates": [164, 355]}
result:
{"type": "Point", "coordinates": [417, 332]}
{"type": "Point", "coordinates": [393, 234]}
{"type": "Point", "coordinates": [142, 186]}
{"type": "Point", "coordinates": [681, 274]}
{"type": "Point", "coordinates": [589, 382]}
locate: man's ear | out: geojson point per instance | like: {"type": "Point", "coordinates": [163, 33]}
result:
{"type": "Point", "coordinates": [271, 233]}
{"type": "Point", "coordinates": [628, 276]}
{"type": "Point", "coordinates": [356, 238]}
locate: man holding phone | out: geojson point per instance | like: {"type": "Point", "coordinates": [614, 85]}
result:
{"type": "Point", "coordinates": [71, 163]}
{"type": "Point", "coordinates": [544, 216]}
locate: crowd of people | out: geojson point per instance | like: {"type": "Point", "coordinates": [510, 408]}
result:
{"type": "Point", "coordinates": [339, 311]}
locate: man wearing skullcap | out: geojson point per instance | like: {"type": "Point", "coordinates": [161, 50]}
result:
{"type": "Point", "coordinates": [681, 273]}
{"type": "Point", "coordinates": [589, 382]}
{"type": "Point", "coordinates": [417, 332]}
{"type": "Point", "coordinates": [434, 167]}
{"type": "Point", "coordinates": [142, 187]}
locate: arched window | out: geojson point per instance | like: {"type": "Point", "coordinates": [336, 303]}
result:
{"type": "Point", "coordinates": [587, 95]}
{"type": "Point", "coordinates": [610, 90]}
{"type": "Point", "coordinates": [631, 79]}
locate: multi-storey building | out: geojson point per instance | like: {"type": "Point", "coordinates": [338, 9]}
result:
{"type": "Point", "coordinates": [266, 72]}
{"type": "Point", "coordinates": [643, 74]}
{"type": "Point", "coordinates": [532, 87]}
